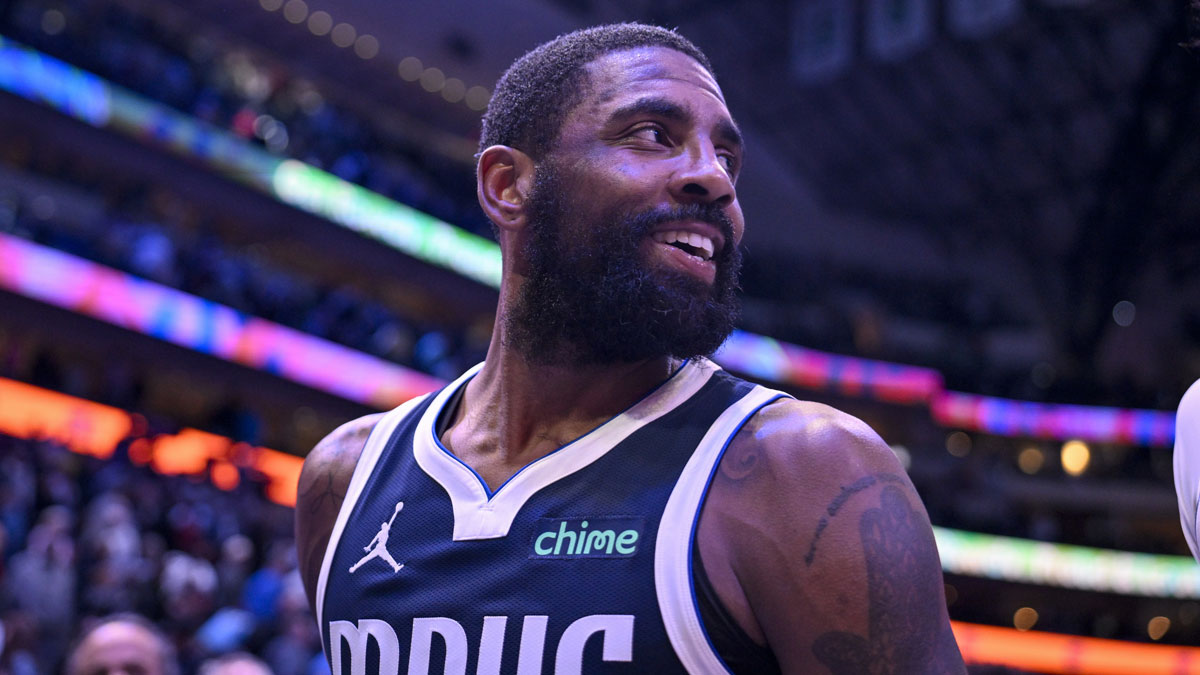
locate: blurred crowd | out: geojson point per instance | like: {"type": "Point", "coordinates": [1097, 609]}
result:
{"type": "Point", "coordinates": [84, 538]}
{"type": "Point", "coordinates": [153, 234]}
{"type": "Point", "coordinates": [967, 335]}
{"type": "Point", "coordinates": [244, 91]}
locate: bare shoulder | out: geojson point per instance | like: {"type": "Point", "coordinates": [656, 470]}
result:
{"type": "Point", "coordinates": [808, 441]}
{"type": "Point", "coordinates": [324, 480]}
{"type": "Point", "coordinates": [820, 547]}
{"type": "Point", "coordinates": [336, 455]}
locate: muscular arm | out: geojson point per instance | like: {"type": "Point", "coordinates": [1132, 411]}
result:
{"type": "Point", "coordinates": [816, 542]}
{"type": "Point", "coordinates": [323, 483]}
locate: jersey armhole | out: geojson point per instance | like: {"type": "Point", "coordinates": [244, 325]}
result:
{"type": "Point", "coordinates": [673, 573]}
{"type": "Point", "coordinates": [377, 440]}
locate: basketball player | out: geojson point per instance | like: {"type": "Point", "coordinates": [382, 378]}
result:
{"type": "Point", "coordinates": [1187, 466]}
{"type": "Point", "coordinates": [598, 496]}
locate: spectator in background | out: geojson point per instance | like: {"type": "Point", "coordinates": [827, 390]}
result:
{"type": "Point", "coordinates": [1187, 465]}
{"type": "Point", "coordinates": [238, 663]}
{"type": "Point", "coordinates": [123, 643]}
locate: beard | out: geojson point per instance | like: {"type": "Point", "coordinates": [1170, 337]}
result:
{"type": "Point", "coordinates": [590, 296]}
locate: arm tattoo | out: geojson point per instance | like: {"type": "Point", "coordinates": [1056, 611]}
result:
{"type": "Point", "coordinates": [902, 595]}
{"type": "Point", "coordinates": [316, 495]}
{"type": "Point", "coordinates": [839, 501]}
{"type": "Point", "coordinates": [740, 461]}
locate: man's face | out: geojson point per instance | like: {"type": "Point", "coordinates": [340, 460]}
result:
{"type": "Point", "coordinates": [634, 219]}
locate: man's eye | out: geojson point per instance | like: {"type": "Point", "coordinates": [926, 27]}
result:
{"type": "Point", "coordinates": [652, 134]}
{"type": "Point", "coordinates": [730, 163]}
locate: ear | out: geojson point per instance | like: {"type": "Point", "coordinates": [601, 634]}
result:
{"type": "Point", "coordinates": [504, 180]}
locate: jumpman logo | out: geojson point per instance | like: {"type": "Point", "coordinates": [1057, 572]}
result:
{"type": "Point", "coordinates": [378, 546]}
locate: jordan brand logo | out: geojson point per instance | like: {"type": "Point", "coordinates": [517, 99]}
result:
{"type": "Point", "coordinates": [378, 546]}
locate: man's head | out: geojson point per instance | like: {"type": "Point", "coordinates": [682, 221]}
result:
{"type": "Point", "coordinates": [533, 96]}
{"type": "Point", "coordinates": [618, 215]}
{"type": "Point", "coordinates": [123, 644]}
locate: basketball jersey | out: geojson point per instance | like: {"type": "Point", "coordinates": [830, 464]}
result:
{"type": "Point", "coordinates": [579, 563]}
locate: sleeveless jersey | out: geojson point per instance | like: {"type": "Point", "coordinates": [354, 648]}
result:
{"type": "Point", "coordinates": [580, 562]}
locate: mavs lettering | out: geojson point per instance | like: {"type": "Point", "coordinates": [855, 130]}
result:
{"type": "Point", "coordinates": [616, 630]}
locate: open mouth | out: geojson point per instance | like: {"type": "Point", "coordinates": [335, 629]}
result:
{"type": "Point", "coordinates": [691, 243]}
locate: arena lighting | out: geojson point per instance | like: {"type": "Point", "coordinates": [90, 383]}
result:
{"type": "Point", "coordinates": [46, 80]}
{"type": "Point", "coordinates": [74, 284]}
{"type": "Point", "coordinates": [295, 11]}
{"type": "Point", "coordinates": [343, 35]}
{"type": "Point", "coordinates": [1056, 653]}
{"type": "Point", "coordinates": [1031, 459]}
{"type": "Point", "coordinates": [320, 23]}
{"type": "Point", "coordinates": [43, 79]}
{"type": "Point", "coordinates": [1052, 421]}
{"type": "Point", "coordinates": [401, 227]}
{"type": "Point", "coordinates": [433, 79]}
{"type": "Point", "coordinates": [94, 429]}
{"type": "Point", "coordinates": [410, 68]}
{"type": "Point", "coordinates": [1067, 566]}
{"type": "Point", "coordinates": [366, 47]}
{"type": "Point", "coordinates": [77, 285]}
{"type": "Point", "coordinates": [1025, 619]}
{"type": "Point", "coordinates": [33, 413]}
{"type": "Point", "coordinates": [1075, 457]}
{"type": "Point", "coordinates": [1158, 627]}
{"type": "Point", "coordinates": [477, 98]}
{"type": "Point", "coordinates": [454, 90]}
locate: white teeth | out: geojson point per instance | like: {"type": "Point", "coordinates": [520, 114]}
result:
{"type": "Point", "coordinates": [697, 241]}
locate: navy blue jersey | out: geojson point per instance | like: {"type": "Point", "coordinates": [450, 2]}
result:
{"type": "Point", "coordinates": [581, 562]}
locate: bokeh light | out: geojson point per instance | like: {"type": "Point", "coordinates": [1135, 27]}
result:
{"type": "Point", "coordinates": [410, 68]}
{"type": "Point", "coordinates": [343, 35]}
{"type": "Point", "coordinates": [1075, 457]}
{"type": "Point", "coordinates": [958, 444]}
{"type": "Point", "coordinates": [1025, 618]}
{"type": "Point", "coordinates": [319, 23]}
{"type": "Point", "coordinates": [295, 11]}
{"type": "Point", "coordinates": [1031, 460]}
{"type": "Point", "coordinates": [1158, 627]}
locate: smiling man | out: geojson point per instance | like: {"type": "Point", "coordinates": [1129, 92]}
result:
{"type": "Point", "coordinates": [598, 496]}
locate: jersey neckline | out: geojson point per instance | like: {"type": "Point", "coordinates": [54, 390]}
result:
{"type": "Point", "coordinates": [480, 513]}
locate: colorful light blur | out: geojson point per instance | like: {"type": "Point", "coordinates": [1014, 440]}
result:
{"type": "Point", "coordinates": [123, 300]}
{"type": "Point", "coordinates": [90, 428]}
{"type": "Point", "coordinates": [43, 79]}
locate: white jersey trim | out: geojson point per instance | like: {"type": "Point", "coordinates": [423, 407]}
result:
{"type": "Point", "coordinates": [1187, 466]}
{"type": "Point", "coordinates": [673, 548]}
{"type": "Point", "coordinates": [377, 440]}
{"type": "Point", "coordinates": [481, 514]}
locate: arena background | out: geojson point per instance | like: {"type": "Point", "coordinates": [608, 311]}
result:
{"type": "Point", "coordinates": [228, 226]}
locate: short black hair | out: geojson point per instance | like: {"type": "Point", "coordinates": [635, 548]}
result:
{"type": "Point", "coordinates": [534, 95]}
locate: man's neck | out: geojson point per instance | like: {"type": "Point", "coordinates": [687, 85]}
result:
{"type": "Point", "coordinates": [516, 410]}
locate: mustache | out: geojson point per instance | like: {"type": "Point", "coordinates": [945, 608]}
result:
{"type": "Point", "coordinates": [641, 224]}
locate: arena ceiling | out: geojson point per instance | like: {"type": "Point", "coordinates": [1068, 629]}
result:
{"type": "Point", "coordinates": [1041, 153]}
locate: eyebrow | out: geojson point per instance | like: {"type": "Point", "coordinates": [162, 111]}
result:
{"type": "Point", "coordinates": [725, 130]}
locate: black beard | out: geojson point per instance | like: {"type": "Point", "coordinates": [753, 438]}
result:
{"type": "Point", "coordinates": [590, 298]}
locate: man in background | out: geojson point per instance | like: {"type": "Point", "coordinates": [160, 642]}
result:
{"type": "Point", "coordinates": [123, 644]}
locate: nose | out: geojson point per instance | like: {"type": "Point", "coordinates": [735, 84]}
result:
{"type": "Point", "coordinates": [703, 178]}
